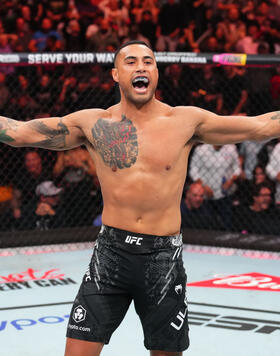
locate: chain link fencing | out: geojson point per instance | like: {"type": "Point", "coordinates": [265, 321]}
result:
{"type": "Point", "coordinates": [51, 197]}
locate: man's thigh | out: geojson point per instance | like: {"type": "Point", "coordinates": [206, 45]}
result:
{"type": "Point", "coordinates": [75, 347]}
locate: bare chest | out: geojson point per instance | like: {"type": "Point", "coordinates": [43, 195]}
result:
{"type": "Point", "coordinates": [122, 144]}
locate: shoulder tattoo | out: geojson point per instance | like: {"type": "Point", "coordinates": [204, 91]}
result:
{"type": "Point", "coordinates": [116, 142]}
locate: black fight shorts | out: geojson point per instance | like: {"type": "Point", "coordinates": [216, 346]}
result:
{"type": "Point", "coordinates": [128, 266]}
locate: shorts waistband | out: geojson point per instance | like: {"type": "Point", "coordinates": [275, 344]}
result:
{"type": "Point", "coordinates": [137, 242]}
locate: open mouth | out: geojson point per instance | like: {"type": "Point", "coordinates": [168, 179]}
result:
{"type": "Point", "coordinates": [140, 84]}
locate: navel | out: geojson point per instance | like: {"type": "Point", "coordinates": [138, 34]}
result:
{"type": "Point", "coordinates": [168, 167]}
{"type": "Point", "coordinates": [114, 168]}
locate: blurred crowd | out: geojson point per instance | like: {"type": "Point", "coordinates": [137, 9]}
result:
{"type": "Point", "coordinates": [233, 187]}
{"type": "Point", "coordinates": [167, 25]}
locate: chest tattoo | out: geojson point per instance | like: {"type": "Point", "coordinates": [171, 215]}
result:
{"type": "Point", "coordinates": [116, 142]}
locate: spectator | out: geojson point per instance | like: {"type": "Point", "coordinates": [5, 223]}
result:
{"type": "Point", "coordinates": [116, 13]}
{"type": "Point", "coordinates": [270, 32]}
{"type": "Point", "coordinates": [232, 27]}
{"type": "Point", "coordinates": [6, 47]}
{"type": "Point", "coordinates": [249, 39]}
{"type": "Point", "coordinates": [75, 172]}
{"type": "Point", "coordinates": [147, 27]}
{"type": "Point", "coordinates": [24, 35]}
{"type": "Point", "coordinates": [30, 17]}
{"type": "Point", "coordinates": [249, 155]}
{"type": "Point", "coordinates": [9, 206]}
{"type": "Point", "coordinates": [173, 89]}
{"type": "Point", "coordinates": [243, 194]}
{"type": "Point", "coordinates": [206, 92]}
{"type": "Point", "coordinates": [235, 94]}
{"type": "Point", "coordinates": [30, 176]}
{"type": "Point", "coordinates": [72, 12]}
{"type": "Point", "coordinates": [275, 86]}
{"type": "Point", "coordinates": [260, 217]}
{"type": "Point", "coordinates": [273, 170]}
{"type": "Point", "coordinates": [47, 212]}
{"type": "Point", "coordinates": [75, 39]}
{"type": "Point", "coordinates": [55, 11]}
{"type": "Point", "coordinates": [93, 28]}
{"type": "Point", "coordinates": [186, 42]}
{"type": "Point", "coordinates": [45, 93]}
{"type": "Point", "coordinates": [103, 38]}
{"type": "Point", "coordinates": [195, 210]}
{"type": "Point", "coordinates": [68, 95]}
{"type": "Point", "coordinates": [217, 168]}
{"type": "Point", "coordinates": [274, 10]}
{"type": "Point", "coordinates": [170, 24]}
{"type": "Point", "coordinates": [136, 11]}
{"type": "Point", "coordinates": [248, 12]}
{"type": "Point", "coordinates": [4, 92]}
{"type": "Point", "coordinates": [211, 45]}
{"type": "Point", "coordinates": [39, 39]}
{"type": "Point", "coordinates": [134, 34]}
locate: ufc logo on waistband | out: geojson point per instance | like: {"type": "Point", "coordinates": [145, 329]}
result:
{"type": "Point", "coordinates": [133, 239]}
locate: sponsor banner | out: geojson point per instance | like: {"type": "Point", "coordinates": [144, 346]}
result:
{"type": "Point", "coordinates": [237, 59]}
{"type": "Point", "coordinates": [59, 58]}
{"type": "Point", "coordinates": [23, 323]}
{"type": "Point", "coordinates": [231, 319]}
{"type": "Point", "coordinates": [33, 278]}
{"type": "Point", "coordinates": [90, 58]}
{"type": "Point", "coordinates": [248, 281]}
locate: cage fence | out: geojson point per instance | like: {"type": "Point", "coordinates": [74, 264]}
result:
{"type": "Point", "coordinates": [56, 84]}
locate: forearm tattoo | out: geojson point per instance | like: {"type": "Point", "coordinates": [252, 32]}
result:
{"type": "Point", "coordinates": [54, 138]}
{"type": "Point", "coordinates": [116, 142]}
{"type": "Point", "coordinates": [5, 125]}
{"type": "Point", "coordinates": [276, 116]}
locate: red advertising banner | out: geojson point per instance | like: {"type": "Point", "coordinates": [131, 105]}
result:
{"type": "Point", "coordinates": [249, 281]}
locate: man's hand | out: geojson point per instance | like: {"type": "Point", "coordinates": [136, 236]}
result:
{"type": "Point", "coordinates": [44, 209]}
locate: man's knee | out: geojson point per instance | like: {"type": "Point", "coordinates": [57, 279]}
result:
{"type": "Point", "coordinates": [75, 347]}
{"type": "Point", "coordinates": [165, 353]}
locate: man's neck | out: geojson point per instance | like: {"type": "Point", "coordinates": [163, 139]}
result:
{"type": "Point", "coordinates": [137, 112]}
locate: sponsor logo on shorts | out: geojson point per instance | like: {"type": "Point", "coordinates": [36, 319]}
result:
{"type": "Point", "coordinates": [79, 314]}
{"type": "Point", "coordinates": [87, 275]}
{"type": "Point", "coordinates": [80, 328]}
{"type": "Point", "coordinates": [179, 289]}
{"type": "Point", "coordinates": [180, 317]}
{"type": "Point", "coordinates": [177, 240]}
{"type": "Point", "coordinates": [133, 240]}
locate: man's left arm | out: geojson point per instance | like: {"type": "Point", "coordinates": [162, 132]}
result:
{"type": "Point", "coordinates": [216, 129]}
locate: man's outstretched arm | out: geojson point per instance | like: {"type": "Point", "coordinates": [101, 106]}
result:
{"type": "Point", "coordinates": [52, 133]}
{"type": "Point", "coordinates": [215, 129]}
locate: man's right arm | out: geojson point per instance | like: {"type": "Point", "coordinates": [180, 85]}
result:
{"type": "Point", "coordinates": [55, 133]}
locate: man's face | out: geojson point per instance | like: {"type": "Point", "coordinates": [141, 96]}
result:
{"type": "Point", "coordinates": [263, 200]}
{"type": "Point", "coordinates": [195, 196]}
{"type": "Point", "coordinates": [259, 175]}
{"type": "Point", "coordinates": [33, 162]}
{"type": "Point", "coordinates": [52, 200]}
{"type": "Point", "coordinates": [46, 24]}
{"type": "Point", "coordinates": [137, 74]}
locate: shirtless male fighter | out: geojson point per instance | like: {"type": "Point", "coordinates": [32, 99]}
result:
{"type": "Point", "coordinates": [140, 148]}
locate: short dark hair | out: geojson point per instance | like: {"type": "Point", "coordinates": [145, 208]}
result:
{"type": "Point", "coordinates": [256, 189]}
{"type": "Point", "coordinates": [129, 43]}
